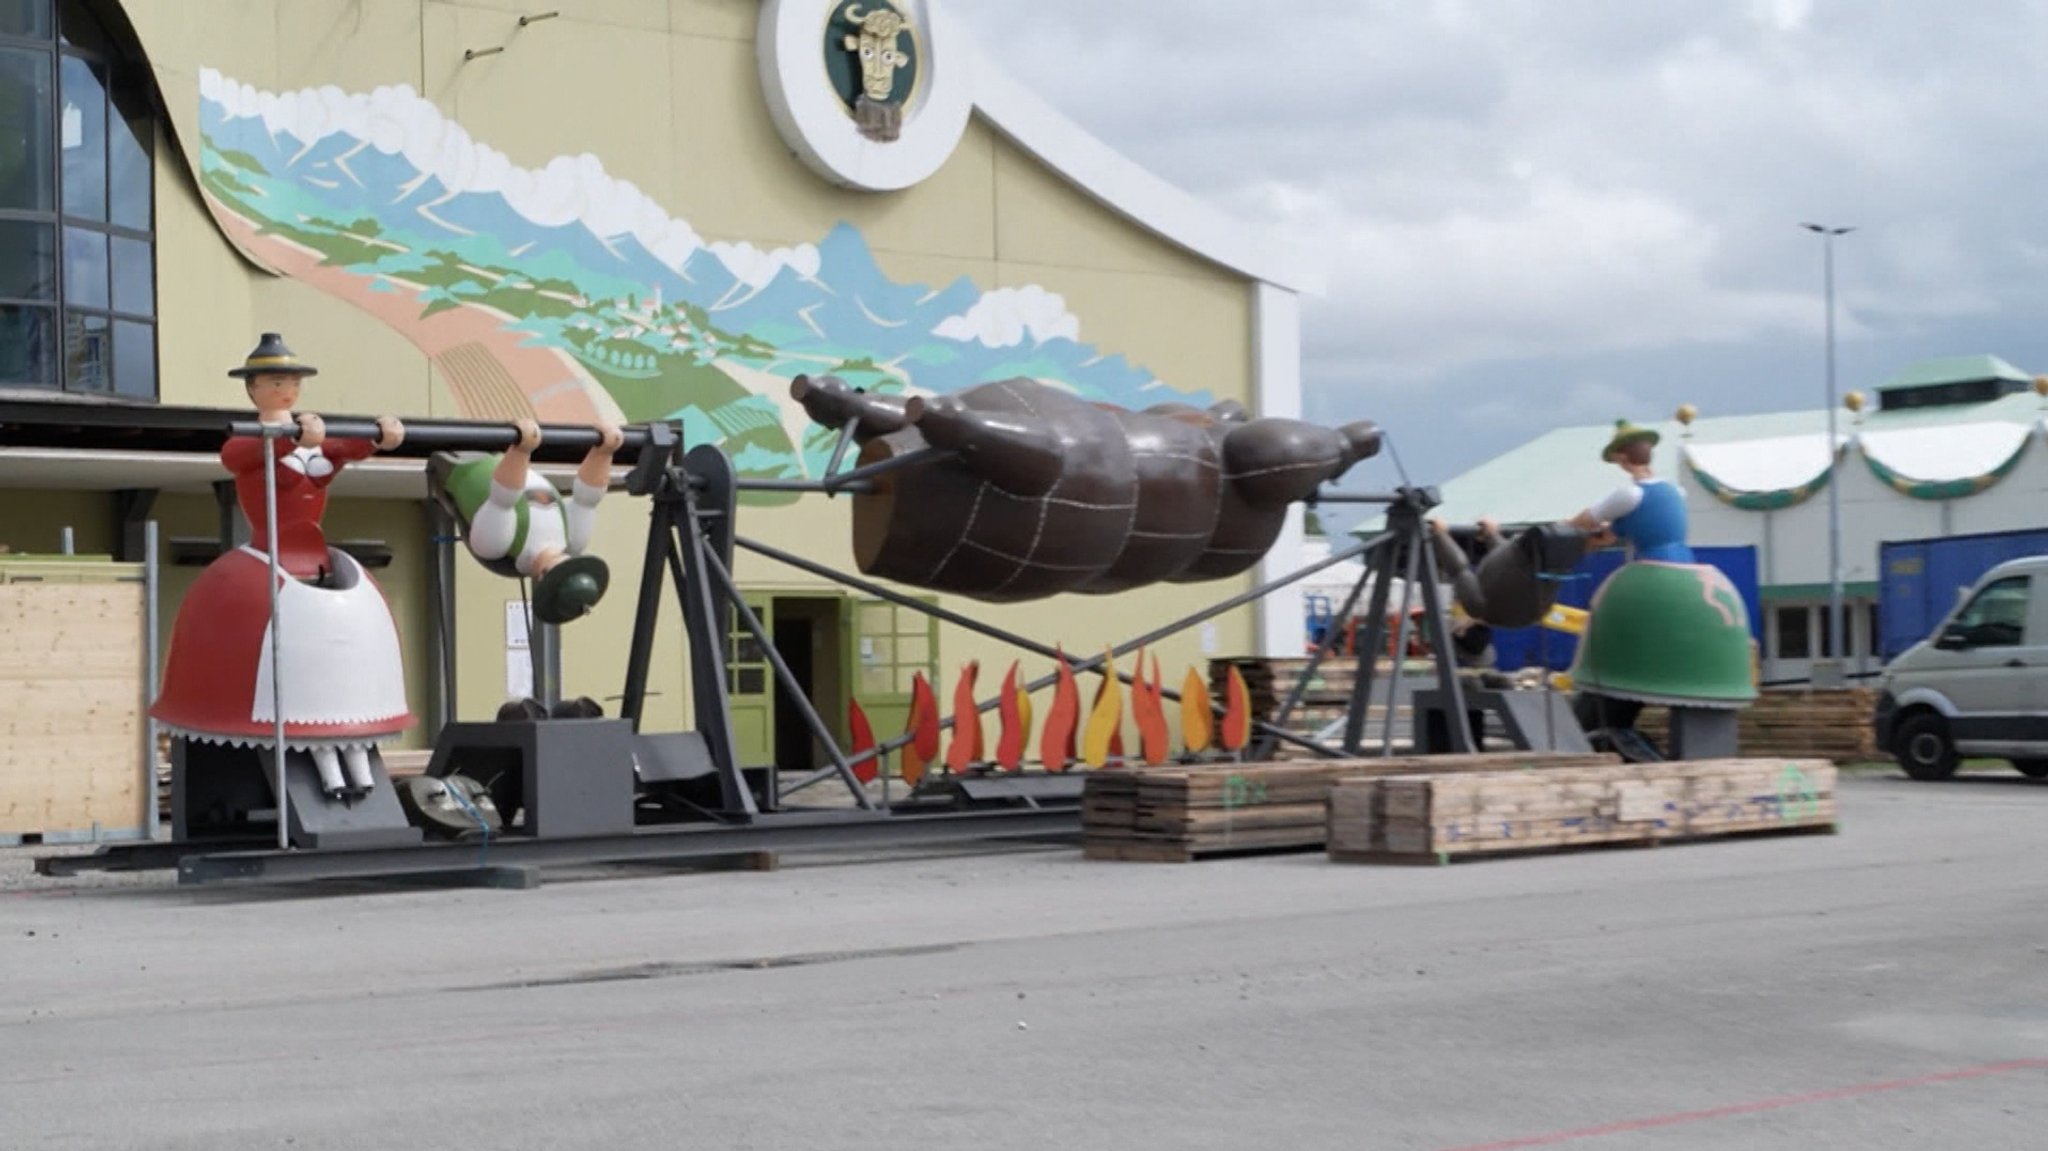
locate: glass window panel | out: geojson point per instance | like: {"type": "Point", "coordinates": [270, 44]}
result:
{"type": "Point", "coordinates": [135, 359]}
{"type": "Point", "coordinates": [27, 180]}
{"type": "Point", "coordinates": [878, 649]}
{"type": "Point", "coordinates": [914, 649]}
{"type": "Point", "coordinates": [129, 136]}
{"type": "Point", "coordinates": [874, 682]}
{"type": "Point", "coordinates": [28, 260]}
{"type": "Point", "coordinates": [25, 17]}
{"type": "Point", "coordinates": [1793, 642]}
{"type": "Point", "coordinates": [28, 337]}
{"type": "Point", "coordinates": [134, 277]}
{"type": "Point", "coordinates": [85, 268]}
{"type": "Point", "coordinates": [83, 138]}
{"type": "Point", "coordinates": [876, 618]}
{"type": "Point", "coordinates": [78, 27]}
{"type": "Point", "coordinates": [906, 679]}
{"type": "Point", "coordinates": [752, 681]}
{"type": "Point", "coordinates": [88, 353]}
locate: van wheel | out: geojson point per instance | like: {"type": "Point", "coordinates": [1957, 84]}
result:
{"type": "Point", "coordinates": [1922, 747]}
{"type": "Point", "coordinates": [2032, 768]}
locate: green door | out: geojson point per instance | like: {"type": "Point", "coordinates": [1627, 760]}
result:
{"type": "Point", "coordinates": [890, 645]}
{"type": "Point", "coordinates": [750, 683]}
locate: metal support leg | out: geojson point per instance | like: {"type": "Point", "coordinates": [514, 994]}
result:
{"type": "Point", "coordinates": [653, 571]}
{"type": "Point", "coordinates": [1446, 661]}
{"type": "Point", "coordinates": [1416, 546]}
{"type": "Point", "coordinates": [706, 531]}
{"type": "Point", "coordinates": [1379, 568]}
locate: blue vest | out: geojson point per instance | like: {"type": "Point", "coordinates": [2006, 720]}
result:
{"type": "Point", "coordinates": [1655, 530]}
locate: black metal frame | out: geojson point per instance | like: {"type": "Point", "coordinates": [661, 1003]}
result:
{"type": "Point", "coordinates": [1405, 543]}
{"type": "Point", "coordinates": [693, 498]}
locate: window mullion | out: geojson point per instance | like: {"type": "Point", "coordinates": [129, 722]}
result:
{"type": "Point", "coordinates": [62, 365]}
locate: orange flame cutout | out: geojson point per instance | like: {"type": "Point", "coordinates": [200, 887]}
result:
{"type": "Point", "coordinates": [1148, 707]}
{"type": "Point", "coordinates": [1237, 713]}
{"type": "Point", "coordinates": [923, 727]}
{"type": "Point", "coordinates": [1105, 734]}
{"type": "Point", "coordinates": [1010, 743]}
{"type": "Point", "coordinates": [1197, 726]}
{"type": "Point", "coordinates": [1023, 724]}
{"type": "Point", "coordinates": [966, 746]}
{"type": "Point", "coordinates": [1056, 743]}
{"type": "Point", "coordinates": [863, 742]}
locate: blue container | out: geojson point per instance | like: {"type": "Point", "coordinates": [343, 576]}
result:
{"type": "Point", "coordinates": [1918, 580]}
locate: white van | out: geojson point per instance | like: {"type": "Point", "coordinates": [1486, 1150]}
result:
{"type": "Point", "coordinates": [1979, 685]}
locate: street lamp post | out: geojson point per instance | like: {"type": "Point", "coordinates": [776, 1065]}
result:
{"type": "Point", "coordinates": [1836, 643]}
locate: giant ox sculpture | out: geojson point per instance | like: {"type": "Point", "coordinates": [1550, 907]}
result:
{"type": "Point", "coordinates": [1035, 492]}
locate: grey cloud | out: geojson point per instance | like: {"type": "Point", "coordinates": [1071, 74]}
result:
{"type": "Point", "coordinates": [1528, 189]}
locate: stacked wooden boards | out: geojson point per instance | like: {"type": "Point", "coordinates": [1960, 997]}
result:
{"type": "Point", "coordinates": [72, 674]}
{"type": "Point", "coordinates": [1821, 724]}
{"type": "Point", "coordinates": [1436, 817]}
{"type": "Point", "coordinates": [1181, 813]}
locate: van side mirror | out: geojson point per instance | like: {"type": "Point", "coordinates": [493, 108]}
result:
{"type": "Point", "coordinates": [1954, 637]}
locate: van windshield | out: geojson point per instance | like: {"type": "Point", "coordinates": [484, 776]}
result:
{"type": "Point", "coordinates": [1996, 616]}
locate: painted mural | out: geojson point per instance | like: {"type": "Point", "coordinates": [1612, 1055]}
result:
{"type": "Point", "coordinates": [570, 294]}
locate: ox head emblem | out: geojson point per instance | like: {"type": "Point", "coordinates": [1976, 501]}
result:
{"type": "Point", "coordinates": [878, 52]}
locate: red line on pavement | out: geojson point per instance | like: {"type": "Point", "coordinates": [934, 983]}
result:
{"type": "Point", "coordinates": [1734, 1109]}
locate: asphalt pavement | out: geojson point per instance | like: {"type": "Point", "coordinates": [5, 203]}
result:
{"type": "Point", "coordinates": [1879, 988]}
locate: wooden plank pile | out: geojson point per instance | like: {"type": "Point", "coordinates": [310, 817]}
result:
{"type": "Point", "coordinates": [1435, 818]}
{"type": "Point", "coordinates": [1182, 813]}
{"type": "Point", "coordinates": [1819, 724]}
{"type": "Point", "coordinates": [72, 667]}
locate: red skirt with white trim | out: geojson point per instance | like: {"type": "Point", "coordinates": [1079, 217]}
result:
{"type": "Point", "coordinates": [340, 671]}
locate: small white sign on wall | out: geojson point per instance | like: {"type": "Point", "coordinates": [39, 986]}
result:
{"type": "Point", "coordinates": [518, 626]}
{"type": "Point", "coordinates": [1209, 644]}
{"type": "Point", "coordinates": [518, 651]}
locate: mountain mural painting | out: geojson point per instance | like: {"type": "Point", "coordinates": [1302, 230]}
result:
{"type": "Point", "coordinates": [568, 294]}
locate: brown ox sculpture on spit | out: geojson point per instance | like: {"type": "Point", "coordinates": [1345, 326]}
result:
{"type": "Point", "coordinates": [1045, 493]}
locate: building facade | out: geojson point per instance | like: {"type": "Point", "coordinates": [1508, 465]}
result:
{"type": "Point", "coordinates": [593, 209]}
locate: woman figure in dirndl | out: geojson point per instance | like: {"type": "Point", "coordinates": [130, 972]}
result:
{"type": "Point", "coordinates": [340, 672]}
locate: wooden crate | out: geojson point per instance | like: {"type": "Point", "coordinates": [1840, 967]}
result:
{"type": "Point", "coordinates": [1182, 813]}
{"type": "Point", "coordinates": [72, 676]}
{"type": "Point", "coordinates": [1438, 817]}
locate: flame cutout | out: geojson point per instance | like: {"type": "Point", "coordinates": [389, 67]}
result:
{"type": "Point", "coordinates": [1148, 707]}
{"type": "Point", "coordinates": [1015, 725]}
{"type": "Point", "coordinates": [923, 727]}
{"type": "Point", "coordinates": [1197, 726]}
{"type": "Point", "coordinates": [1237, 713]}
{"type": "Point", "coordinates": [1105, 734]}
{"type": "Point", "coordinates": [1023, 725]}
{"type": "Point", "coordinates": [1056, 743]}
{"type": "Point", "coordinates": [965, 749]}
{"type": "Point", "coordinates": [863, 743]}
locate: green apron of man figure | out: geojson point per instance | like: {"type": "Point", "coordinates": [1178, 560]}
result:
{"type": "Point", "coordinates": [517, 524]}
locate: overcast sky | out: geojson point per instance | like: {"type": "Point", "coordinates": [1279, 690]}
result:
{"type": "Point", "coordinates": [1526, 213]}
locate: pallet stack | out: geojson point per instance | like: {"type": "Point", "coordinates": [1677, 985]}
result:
{"type": "Point", "coordinates": [1179, 814]}
{"type": "Point", "coordinates": [1819, 724]}
{"type": "Point", "coordinates": [1441, 816]}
